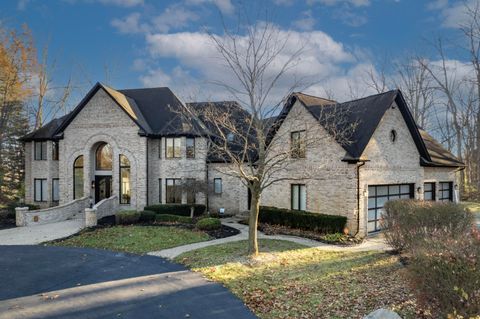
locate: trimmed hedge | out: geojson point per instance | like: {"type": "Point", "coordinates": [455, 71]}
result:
{"type": "Point", "coordinates": [209, 224]}
{"type": "Point", "coordinates": [127, 217]}
{"type": "Point", "coordinates": [327, 224]}
{"type": "Point", "coordinates": [169, 218]}
{"type": "Point", "coordinates": [147, 216]}
{"type": "Point", "coordinates": [177, 209]}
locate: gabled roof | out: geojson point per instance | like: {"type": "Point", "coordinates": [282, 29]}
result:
{"type": "Point", "coordinates": [46, 132]}
{"type": "Point", "coordinates": [365, 114]}
{"type": "Point", "coordinates": [439, 155]}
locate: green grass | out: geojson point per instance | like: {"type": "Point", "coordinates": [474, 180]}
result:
{"type": "Point", "coordinates": [288, 280]}
{"type": "Point", "coordinates": [133, 239]}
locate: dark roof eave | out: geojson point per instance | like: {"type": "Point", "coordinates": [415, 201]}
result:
{"type": "Point", "coordinates": [426, 163]}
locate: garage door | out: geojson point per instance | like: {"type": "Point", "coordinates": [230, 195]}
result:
{"type": "Point", "coordinates": [378, 195]}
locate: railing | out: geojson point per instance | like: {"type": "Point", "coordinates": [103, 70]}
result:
{"type": "Point", "coordinates": [105, 207]}
{"type": "Point", "coordinates": [25, 217]}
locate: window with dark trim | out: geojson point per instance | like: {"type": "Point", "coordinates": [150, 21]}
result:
{"type": "Point", "coordinates": [125, 189]}
{"type": "Point", "coordinates": [55, 150]}
{"type": "Point", "coordinates": [190, 147]}
{"type": "Point", "coordinates": [298, 197]}
{"type": "Point", "coordinates": [55, 190]}
{"type": "Point", "coordinates": [445, 192]}
{"type": "Point", "coordinates": [429, 191]}
{"type": "Point", "coordinates": [173, 147]}
{"type": "Point", "coordinates": [173, 191]}
{"type": "Point", "coordinates": [40, 151]}
{"type": "Point", "coordinates": [160, 190]}
{"type": "Point", "coordinates": [78, 177]}
{"type": "Point", "coordinates": [217, 185]}
{"type": "Point", "coordinates": [40, 189]}
{"type": "Point", "coordinates": [297, 144]}
{"type": "Point", "coordinates": [191, 193]}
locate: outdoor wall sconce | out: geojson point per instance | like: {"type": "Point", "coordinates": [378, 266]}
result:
{"type": "Point", "coordinates": [419, 189]}
{"type": "Point", "coordinates": [93, 184]}
{"type": "Point", "coordinates": [456, 186]}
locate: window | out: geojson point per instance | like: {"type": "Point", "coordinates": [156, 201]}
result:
{"type": "Point", "coordinates": [173, 191]}
{"type": "Point", "coordinates": [429, 191]}
{"type": "Point", "coordinates": [297, 144]}
{"type": "Point", "coordinates": [445, 192]}
{"type": "Point", "coordinates": [191, 194]}
{"type": "Point", "coordinates": [55, 151]}
{"type": "Point", "coordinates": [40, 152]}
{"type": "Point", "coordinates": [299, 197]}
{"type": "Point", "coordinates": [124, 180]}
{"type": "Point", "coordinates": [40, 190]}
{"type": "Point", "coordinates": [217, 185]}
{"type": "Point", "coordinates": [173, 147]}
{"type": "Point", "coordinates": [103, 157]}
{"type": "Point", "coordinates": [55, 190]}
{"type": "Point", "coordinates": [393, 136]}
{"type": "Point", "coordinates": [78, 178]}
{"type": "Point", "coordinates": [190, 143]}
{"type": "Point", "coordinates": [160, 190]}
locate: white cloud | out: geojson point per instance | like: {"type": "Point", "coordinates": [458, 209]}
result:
{"type": "Point", "coordinates": [356, 3]}
{"type": "Point", "coordinates": [306, 22]}
{"type": "Point", "coordinates": [174, 17]}
{"type": "Point", "coordinates": [285, 3]}
{"type": "Point", "coordinates": [225, 6]}
{"type": "Point", "coordinates": [155, 78]}
{"type": "Point", "coordinates": [122, 3]}
{"type": "Point", "coordinates": [130, 24]}
{"type": "Point", "coordinates": [456, 14]}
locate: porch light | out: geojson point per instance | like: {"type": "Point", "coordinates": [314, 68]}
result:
{"type": "Point", "coordinates": [419, 189]}
{"type": "Point", "coordinates": [93, 184]}
{"type": "Point", "coordinates": [456, 186]}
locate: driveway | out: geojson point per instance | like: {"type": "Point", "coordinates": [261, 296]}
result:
{"type": "Point", "coordinates": [59, 282]}
{"type": "Point", "coordinates": [33, 235]}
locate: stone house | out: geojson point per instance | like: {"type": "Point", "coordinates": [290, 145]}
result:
{"type": "Point", "coordinates": [132, 144]}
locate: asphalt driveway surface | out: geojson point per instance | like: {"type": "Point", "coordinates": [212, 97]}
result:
{"type": "Point", "coordinates": [58, 282]}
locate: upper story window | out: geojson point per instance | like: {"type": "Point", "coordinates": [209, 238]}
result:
{"type": "Point", "coordinates": [217, 185]}
{"type": "Point", "coordinates": [173, 149]}
{"type": "Point", "coordinates": [40, 151]}
{"type": "Point", "coordinates": [297, 144]}
{"type": "Point", "coordinates": [55, 150]}
{"type": "Point", "coordinates": [190, 147]}
{"type": "Point", "coordinates": [393, 136]}
{"type": "Point", "coordinates": [103, 157]}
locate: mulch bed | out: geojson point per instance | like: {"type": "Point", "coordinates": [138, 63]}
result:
{"type": "Point", "coordinates": [268, 229]}
{"type": "Point", "coordinates": [6, 220]}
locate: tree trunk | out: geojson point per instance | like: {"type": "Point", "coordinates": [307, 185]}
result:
{"type": "Point", "coordinates": [252, 225]}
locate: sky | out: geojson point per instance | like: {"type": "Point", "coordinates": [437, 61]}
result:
{"type": "Point", "coordinates": [146, 43]}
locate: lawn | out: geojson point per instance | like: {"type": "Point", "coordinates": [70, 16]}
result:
{"type": "Point", "coordinates": [288, 280]}
{"type": "Point", "coordinates": [133, 239]}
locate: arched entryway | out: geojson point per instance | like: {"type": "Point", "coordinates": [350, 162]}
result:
{"type": "Point", "coordinates": [103, 171]}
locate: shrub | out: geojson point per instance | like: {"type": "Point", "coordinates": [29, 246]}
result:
{"type": "Point", "coordinates": [209, 224]}
{"type": "Point", "coordinates": [11, 206]}
{"type": "Point", "coordinates": [168, 218]}
{"type": "Point", "coordinates": [445, 274]}
{"type": "Point", "coordinates": [147, 216]}
{"type": "Point", "coordinates": [408, 223]}
{"type": "Point", "coordinates": [177, 209]}
{"type": "Point", "coordinates": [127, 217]}
{"type": "Point", "coordinates": [302, 220]}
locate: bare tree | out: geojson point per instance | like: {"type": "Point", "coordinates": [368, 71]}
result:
{"type": "Point", "coordinates": [240, 134]}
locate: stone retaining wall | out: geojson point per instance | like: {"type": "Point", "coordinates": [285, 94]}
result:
{"type": "Point", "coordinates": [25, 217]}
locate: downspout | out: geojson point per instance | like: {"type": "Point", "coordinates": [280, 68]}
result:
{"type": "Point", "coordinates": [358, 197]}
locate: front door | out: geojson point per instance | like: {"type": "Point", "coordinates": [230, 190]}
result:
{"type": "Point", "coordinates": [103, 187]}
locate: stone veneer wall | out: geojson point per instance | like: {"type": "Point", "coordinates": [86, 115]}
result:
{"type": "Point", "coordinates": [330, 183]}
{"type": "Point", "coordinates": [52, 214]}
{"type": "Point", "coordinates": [101, 120]}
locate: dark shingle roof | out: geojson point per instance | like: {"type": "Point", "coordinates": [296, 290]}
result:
{"type": "Point", "coordinates": [439, 156]}
{"type": "Point", "coordinates": [46, 132]}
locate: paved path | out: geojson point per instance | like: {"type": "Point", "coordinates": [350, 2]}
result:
{"type": "Point", "coordinates": [371, 243]}
{"type": "Point", "coordinates": [34, 235]}
{"type": "Point", "coordinates": [60, 282]}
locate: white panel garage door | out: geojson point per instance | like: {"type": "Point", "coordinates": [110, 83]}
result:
{"type": "Point", "coordinates": [378, 195]}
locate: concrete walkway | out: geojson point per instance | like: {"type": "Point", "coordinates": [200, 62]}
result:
{"type": "Point", "coordinates": [371, 243]}
{"type": "Point", "coordinates": [34, 235]}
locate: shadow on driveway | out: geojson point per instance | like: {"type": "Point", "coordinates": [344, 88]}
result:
{"type": "Point", "coordinates": [59, 282]}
